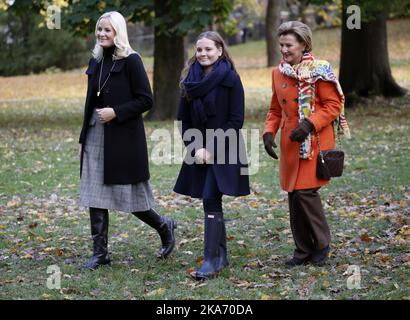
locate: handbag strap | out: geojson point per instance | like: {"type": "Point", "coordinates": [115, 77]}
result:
{"type": "Point", "coordinates": [318, 146]}
{"type": "Point", "coordinates": [318, 142]}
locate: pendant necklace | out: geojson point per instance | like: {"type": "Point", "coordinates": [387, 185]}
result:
{"type": "Point", "coordinates": [99, 80]}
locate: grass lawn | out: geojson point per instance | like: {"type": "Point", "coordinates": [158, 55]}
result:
{"type": "Point", "coordinates": [42, 225]}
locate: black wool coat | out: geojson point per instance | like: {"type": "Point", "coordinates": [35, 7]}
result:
{"type": "Point", "coordinates": [128, 92]}
{"type": "Point", "coordinates": [230, 113]}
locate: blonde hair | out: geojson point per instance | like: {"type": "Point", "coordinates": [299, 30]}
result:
{"type": "Point", "coordinates": [122, 45]}
{"type": "Point", "coordinates": [300, 30]}
{"type": "Point", "coordinates": [219, 43]}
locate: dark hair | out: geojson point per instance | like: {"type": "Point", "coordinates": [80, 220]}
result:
{"type": "Point", "coordinates": [219, 43]}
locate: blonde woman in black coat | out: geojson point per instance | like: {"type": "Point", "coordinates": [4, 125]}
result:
{"type": "Point", "coordinates": [114, 157]}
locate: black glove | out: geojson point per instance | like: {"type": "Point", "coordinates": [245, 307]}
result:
{"type": "Point", "coordinates": [269, 144]}
{"type": "Point", "coordinates": [301, 132]}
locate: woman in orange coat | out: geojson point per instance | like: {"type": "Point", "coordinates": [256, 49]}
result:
{"type": "Point", "coordinates": [305, 101]}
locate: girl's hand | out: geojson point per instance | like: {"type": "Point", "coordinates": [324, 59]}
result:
{"type": "Point", "coordinates": [106, 114]}
{"type": "Point", "coordinates": [202, 156]}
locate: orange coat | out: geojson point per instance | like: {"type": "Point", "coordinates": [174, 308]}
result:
{"type": "Point", "coordinates": [296, 173]}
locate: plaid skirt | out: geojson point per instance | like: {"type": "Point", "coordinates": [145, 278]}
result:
{"type": "Point", "coordinates": [94, 193]}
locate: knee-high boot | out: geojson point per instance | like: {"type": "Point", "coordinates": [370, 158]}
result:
{"type": "Point", "coordinates": [165, 227]}
{"type": "Point", "coordinates": [99, 233]}
{"type": "Point", "coordinates": [212, 247]}
{"type": "Point", "coordinates": [223, 250]}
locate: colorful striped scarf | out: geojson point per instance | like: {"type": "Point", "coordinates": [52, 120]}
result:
{"type": "Point", "coordinates": [307, 72]}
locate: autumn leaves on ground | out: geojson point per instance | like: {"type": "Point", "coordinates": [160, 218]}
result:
{"type": "Point", "coordinates": [41, 224]}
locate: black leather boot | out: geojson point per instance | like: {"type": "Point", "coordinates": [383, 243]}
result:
{"type": "Point", "coordinates": [99, 233]}
{"type": "Point", "coordinates": [212, 247]}
{"type": "Point", "coordinates": [165, 227]}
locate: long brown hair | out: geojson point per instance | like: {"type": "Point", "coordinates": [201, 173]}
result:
{"type": "Point", "coordinates": [219, 43]}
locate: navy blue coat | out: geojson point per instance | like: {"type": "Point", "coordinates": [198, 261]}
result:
{"type": "Point", "coordinates": [229, 115]}
{"type": "Point", "coordinates": [128, 92]}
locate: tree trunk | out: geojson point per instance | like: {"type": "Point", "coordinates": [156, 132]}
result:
{"type": "Point", "coordinates": [364, 62]}
{"type": "Point", "coordinates": [26, 28]}
{"type": "Point", "coordinates": [168, 64]}
{"type": "Point", "coordinates": [272, 25]}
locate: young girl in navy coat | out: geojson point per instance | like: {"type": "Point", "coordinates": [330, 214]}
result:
{"type": "Point", "coordinates": [212, 101]}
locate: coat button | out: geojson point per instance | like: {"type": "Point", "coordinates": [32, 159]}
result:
{"type": "Point", "coordinates": [284, 101]}
{"type": "Point", "coordinates": [284, 85]}
{"type": "Point", "coordinates": [296, 99]}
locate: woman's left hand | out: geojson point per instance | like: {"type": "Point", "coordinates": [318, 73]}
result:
{"type": "Point", "coordinates": [301, 132]}
{"type": "Point", "coordinates": [106, 114]}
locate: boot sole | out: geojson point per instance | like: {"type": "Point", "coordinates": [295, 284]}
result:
{"type": "Point", "coordinates": [320, 263]}
{"type": "Point", "coordinates": [98, 266]}
{"type": "Point", "coordinates": [292, 265]}
{"type": "Point", "coordinates": [202, 277]}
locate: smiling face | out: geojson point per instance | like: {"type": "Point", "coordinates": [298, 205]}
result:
{"type": "Point", "coordinates": [291, 49]}
{"type": "Point", "coordinates": [105, 33]}
{"type": "Point", "coordinates": [207, 53]}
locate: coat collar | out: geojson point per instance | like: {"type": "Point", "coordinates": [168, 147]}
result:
{"type": "Point", "coordinates": [92, 66]}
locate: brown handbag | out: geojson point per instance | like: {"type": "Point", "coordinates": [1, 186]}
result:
{"type": "Point", "coordinates": [329, 162]}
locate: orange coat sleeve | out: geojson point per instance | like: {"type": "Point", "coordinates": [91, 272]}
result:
{"type": "Point", "coordinates": [330, 102]}
{"type": "Point", "coordinates": [274, 116]}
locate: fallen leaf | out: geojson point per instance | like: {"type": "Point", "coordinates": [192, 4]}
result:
{"type": "Point", "coordinates": [157, 292]}
{"type": "Point", "coordinates": [365, 237]}
{"type": "Point", "coordinates": [230, 237]}
{"type": "Point", "coordinates": [33, 225]}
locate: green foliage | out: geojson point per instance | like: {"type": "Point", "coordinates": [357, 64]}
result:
{"type": "Point", "coordinates": [180, 17]}
{"type": "Point", "coordinates": [27, 46]}
{"type": "Point", "coordinates": [369, 9]}
{"type": "Point", "coordinates": [41, 49]}
{"type": "Point", "coordinates": [194, 15]}
{"type": "Point", "coordinates": [325, 11]}
{"type": "Point", "coordinates": [400, 9]}
{"type": "Point", "coordinates": [81, 16]}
